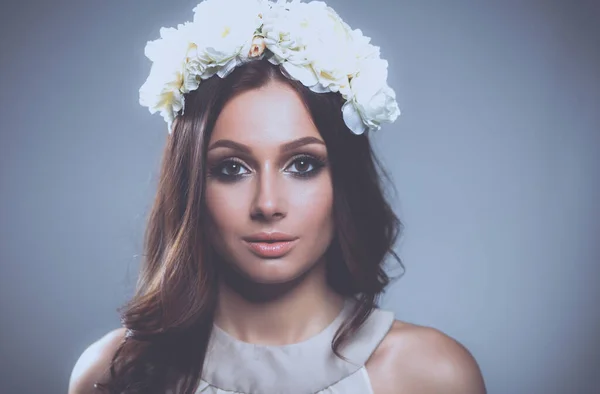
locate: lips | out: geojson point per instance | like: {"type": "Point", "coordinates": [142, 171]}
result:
{"type": "Point", "coordinates": [270, 245]}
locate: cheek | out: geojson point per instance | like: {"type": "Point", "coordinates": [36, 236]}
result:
{"type": "Point", "coordinates": [226, 205]}
{"type": "Point", "coordinates": [312, 203]}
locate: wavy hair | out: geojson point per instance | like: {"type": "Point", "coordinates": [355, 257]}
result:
{"type": "Point", "coordinates": [170, 317]}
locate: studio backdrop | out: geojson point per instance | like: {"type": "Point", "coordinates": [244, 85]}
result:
{"type": "Point", "coordinates": [495, 160]}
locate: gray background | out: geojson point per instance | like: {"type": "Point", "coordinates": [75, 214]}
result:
{"type": "Point", "coordinates": [496, 161]}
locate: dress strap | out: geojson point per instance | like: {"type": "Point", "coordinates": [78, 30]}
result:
{"type": "Point", "coordinates": [369, 336]}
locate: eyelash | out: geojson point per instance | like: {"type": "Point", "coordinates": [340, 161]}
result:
{"type": "Point", "coordinates": [316, 162]}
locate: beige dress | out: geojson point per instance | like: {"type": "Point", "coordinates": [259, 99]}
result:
{"type": "Point", "coordinates": [308, 367]}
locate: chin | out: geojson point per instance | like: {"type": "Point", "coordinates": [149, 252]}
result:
{"type": "Point", "coordinates": [271, 271]}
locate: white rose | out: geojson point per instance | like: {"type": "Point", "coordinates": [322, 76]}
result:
{"type": "Point", "coordinates": [162, 89]}
{"type": "Point", "coordinates": [280, 30]}
{"type": "Point", "coordinates": [195, 66]}
{"type": "Point", "coordinates": [222, 28]}
{"type": "Point", "coordinates": [382, 107]}
{"type": "Point", "coordinates": [363, 49]}
{"type": "Point", "coordinates": [373, 102]}
{"type": "Point", "coordinates": [285, 32]}
{"type": "Point", "coordinates": [331, 48]}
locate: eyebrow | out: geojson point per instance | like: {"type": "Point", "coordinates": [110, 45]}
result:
{"type": "Point", "coordinates": [289, 146]}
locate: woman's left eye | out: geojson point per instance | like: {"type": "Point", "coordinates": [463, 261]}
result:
{"type": "Point", "coordinates": [304, 165]}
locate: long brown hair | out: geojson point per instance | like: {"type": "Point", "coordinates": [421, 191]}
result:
{"type": "Point", "coordinates": [170, 317]}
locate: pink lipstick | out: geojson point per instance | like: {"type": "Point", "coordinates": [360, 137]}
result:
{"type": "Point", "coordinates": [270, 245]}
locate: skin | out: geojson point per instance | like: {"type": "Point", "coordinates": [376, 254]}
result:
{"type": "Point", "coordinates": [281, 190]}
{"type": "Point", "coordinates": [256, 294]}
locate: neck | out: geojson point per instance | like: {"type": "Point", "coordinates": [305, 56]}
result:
{"type": "Point", "coordinates": [282, 314]}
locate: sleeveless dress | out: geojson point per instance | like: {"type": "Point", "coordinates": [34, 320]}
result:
{"type": "Point", "coordinates": [308, 367]}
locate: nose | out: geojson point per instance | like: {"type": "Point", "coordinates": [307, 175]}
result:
{"type": "Point", "coordinates": [269, 201]}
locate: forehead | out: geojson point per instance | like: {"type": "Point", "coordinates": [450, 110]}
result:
{"type": "Point", "coordinates": [270, 115]}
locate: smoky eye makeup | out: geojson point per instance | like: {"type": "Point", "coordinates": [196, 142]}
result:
{"type": "Point", "coordinates": [229, 169]}
{"type": "Point", "coordinates": [305, 165]}
{"type": "Point", "coordinates": [300, 166]}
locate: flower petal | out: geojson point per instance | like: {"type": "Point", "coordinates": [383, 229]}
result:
{"type": "Point", "coordinates": [301, 73]}
{"type": "Point", "coordinates": [353, 119]}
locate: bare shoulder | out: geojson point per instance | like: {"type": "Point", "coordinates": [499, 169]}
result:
{"type": "Point", "coordinates": [93, 364]}
{"type": "Point", "coordinates": [418, 359]}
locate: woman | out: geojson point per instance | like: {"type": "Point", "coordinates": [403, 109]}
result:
{"type": "Point", "coordinates": [266, 242]}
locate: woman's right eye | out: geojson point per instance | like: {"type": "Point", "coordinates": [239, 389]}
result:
{"type": "Point", "coordinates": [230, 169]}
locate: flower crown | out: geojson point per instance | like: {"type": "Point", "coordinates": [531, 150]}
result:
{"type": "Point", "coordinates": [308, 40]}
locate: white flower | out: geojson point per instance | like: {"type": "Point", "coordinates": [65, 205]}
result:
{"type": "Point", "coordinates": [363, 47]}
{"type": "Point", "coordinates": [162, 90]}
{"type": "Point", "coordinates": [278, 29]}
{"type": "Point", "coordinates": [331, 47]}
{"type": "Point", "coordinates": [311, 43]}
{"type": "Point", "coordinates": [222, 28]}
{"type": "Point", "coordinates": [195, 67]}
{"type": "Point", "coordinates": [285, 33]}
{"type": "Point", "coordinates": [308, 40]}
{"type": "Point", "coordinates": [373, 100]}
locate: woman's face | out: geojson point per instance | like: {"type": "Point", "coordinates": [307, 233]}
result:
{"type": "Point", "coordinates": [267, 173]}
